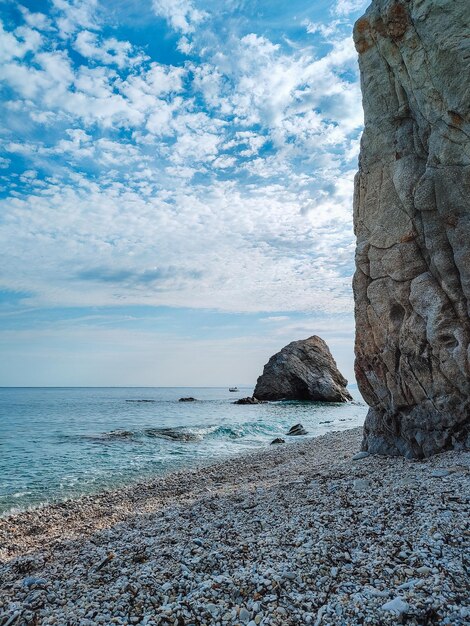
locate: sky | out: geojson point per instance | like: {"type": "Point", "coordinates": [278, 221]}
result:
{"type": "Point", "coordinates": [176, 183]}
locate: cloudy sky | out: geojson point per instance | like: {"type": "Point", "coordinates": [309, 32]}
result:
{"type": "Point", "coordinates": [175, 187]}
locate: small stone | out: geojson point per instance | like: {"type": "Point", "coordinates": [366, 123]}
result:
{"type": "Point", "coordinates": [396, 606]}
{"type": "Point", "coordinates": [424, 570]}
{"type": "Point", "coordinates": [361, 484]}
{"type": "Point", "coordinates": [278, 440]}
{"type": "Point", "coordinates": [360, 455]}
{"type": "Point", "coordinates": [409, 584]}
{"type": "Point", "coordinates": [440, 473]}
{"type": "Point", "coordinates": [409, 481]}
{"type": "Point", "coordinates": [244, 615]}
{"type": "Point", "coordinates": [31, 581]}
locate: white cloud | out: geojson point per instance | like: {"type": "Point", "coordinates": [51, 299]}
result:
{"type": "Point", "coordinates": [266, 133]}
{"type": "Point", "coordinates": [223, 249]}
{"type": "Point", "coordinates": [345, 7]}
{"type": "Point", "coordinates": [29, 175]}
{"type": "Point", "coordinates": [185, 46]}
{"type": "Point", "coordinates": [108, 51]}
{"type": "Point", "coordinates": [327, 31]}
{"type": "Point", "coordinates": [38, 21]}
{"type": "Point", "coordinates": [275, 319]}
{"type": "Point", "coordinates": [194, 146]}
{"type": "Point", "coordinates": [14, 45]}
{"type": "Point", "coordinates": [73, 15]}
{"type": "Point", "coordinates": [181, 15]}
{"type": "Point", "coordinates": [224, 162]}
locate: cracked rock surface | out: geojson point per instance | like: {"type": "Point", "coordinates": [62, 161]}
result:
{"type": "Point", "coordinates": [412, 221]}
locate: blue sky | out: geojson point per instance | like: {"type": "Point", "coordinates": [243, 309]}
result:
{"type": "Point", "coordinates": [175, 187]}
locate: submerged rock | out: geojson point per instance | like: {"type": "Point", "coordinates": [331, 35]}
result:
{"type": "Point", "coordinates": [278, 440]}
{"type": "Point", "coordinates": [118, 434]}
{"type": "Point", "coordinates": [412, 221]}
{"type": "Point", "coordinates": [302, 370]}
{"type": "Point", "coordinates": [298, 429]}
{"type": "Point", "coordinates": [188, 399]}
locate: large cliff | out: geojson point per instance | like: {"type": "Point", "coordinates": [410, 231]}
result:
{"type": "Point", "coordinates": [412, 221]}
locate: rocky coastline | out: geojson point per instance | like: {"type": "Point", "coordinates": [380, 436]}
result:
{"type": "Point", "coordinates": [313, 532]}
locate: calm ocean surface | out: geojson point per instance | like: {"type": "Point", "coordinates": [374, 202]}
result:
{"type": "Point", "coordinates": [58, 443]}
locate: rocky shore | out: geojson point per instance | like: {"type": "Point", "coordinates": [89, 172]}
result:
{"type": "Point", "coordinates": [310, 532]}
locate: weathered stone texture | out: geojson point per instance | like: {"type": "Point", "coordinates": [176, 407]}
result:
{"type": "Point", "coordinates": [302, 370]}
{"type": "Point", "coordinates": [412, 221]}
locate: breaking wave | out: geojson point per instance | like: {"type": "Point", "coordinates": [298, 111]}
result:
{"type": "Point", "coordinates": [187, 433]}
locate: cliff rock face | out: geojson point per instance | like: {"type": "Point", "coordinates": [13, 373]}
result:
{"type": "Point", "coordinates": [412, 221]}
{"type": "Point", "coordinates": [302, 370]}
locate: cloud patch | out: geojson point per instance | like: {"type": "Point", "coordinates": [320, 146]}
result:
{"type": "Point", "coordinates": [219, 176]}
{"type": "Point", "coordinates": [154, 276]}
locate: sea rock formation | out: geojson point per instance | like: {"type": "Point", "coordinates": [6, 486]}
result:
{"type": "Point", "coordinates": [302, 370]}
{"type": "Point", "coordinates": [412, 221]}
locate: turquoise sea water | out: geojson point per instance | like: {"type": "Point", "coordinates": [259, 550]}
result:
{"type": "Point", "coordinates": [58, 443]}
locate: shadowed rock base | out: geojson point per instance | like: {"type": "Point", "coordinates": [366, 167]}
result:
{"type": "Point", "coordinates": [421, 433]}
{"type": "Point", "coordinates": [412, 221]}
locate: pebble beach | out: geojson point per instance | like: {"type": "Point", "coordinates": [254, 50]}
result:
{"type": "Point", "coordinates": [307, 532]}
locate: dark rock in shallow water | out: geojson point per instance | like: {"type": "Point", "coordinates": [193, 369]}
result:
{"type": "Point", "coordinates": [248, 400]}
{"type": "Point", "coordinates": [140, 400]}
{"type": "Point", "coordinates": [302, 370]}
{"type": "Point", "coordinates": [278, 440]}
{"type": "Point", "coordinates": [412, 221]}
{"type": "Point", "coordinates": [298, 429]}
{"type": "Point", "coordinates": [188, 399]}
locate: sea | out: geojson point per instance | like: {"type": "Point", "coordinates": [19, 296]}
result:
{"type": "Point", "coordinates": [60, 443]}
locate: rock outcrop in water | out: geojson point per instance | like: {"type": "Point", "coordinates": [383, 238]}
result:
{"type": "Point", "coordinates": [412, 221]}
{"type": "Point", "coordinates": [302, 370]}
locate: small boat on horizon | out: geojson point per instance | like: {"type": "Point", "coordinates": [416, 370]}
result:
{"type": "Point", "coordinates": [233, 388]}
